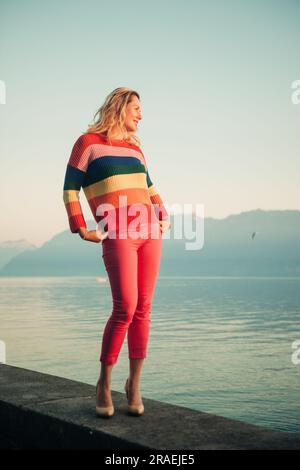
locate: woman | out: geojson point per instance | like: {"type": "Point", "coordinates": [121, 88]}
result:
{"type": "Point", "coordinates": [108, 163]}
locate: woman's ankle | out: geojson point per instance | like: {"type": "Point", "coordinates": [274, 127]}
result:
{"type": "Point", "coordinates": [133, 384]}
{"type": "Point", "coordinates": [104, 384]}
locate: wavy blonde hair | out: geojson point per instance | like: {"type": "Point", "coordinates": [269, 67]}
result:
{"type": "Point", "coordinates": [112, 114]}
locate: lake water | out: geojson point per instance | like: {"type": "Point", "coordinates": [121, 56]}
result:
{"type": "Point", "coordinates": [220, 345]}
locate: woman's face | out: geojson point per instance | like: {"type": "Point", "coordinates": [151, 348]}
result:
{"type": "Point", "coordinates": [133, 114]}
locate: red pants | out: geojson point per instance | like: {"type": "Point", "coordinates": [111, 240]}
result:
{"type": "Point", "coordinates": [132, 267]}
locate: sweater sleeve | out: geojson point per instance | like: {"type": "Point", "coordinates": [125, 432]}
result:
{"type": "Point", "coordinates": [74, 176]}
{"type": "Point", "coordinates": [155, 197]}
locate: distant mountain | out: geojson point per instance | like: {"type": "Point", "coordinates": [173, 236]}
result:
{"type": "Point", "coordinates": [254, 243]}
{"type": "Point", "coordinates": [11, 248]}
{"type": "Point", "coordinates": [64, 255]}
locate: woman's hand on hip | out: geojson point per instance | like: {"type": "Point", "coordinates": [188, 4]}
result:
{"type": "Point", "coordinates": [92, 235]}
{"type": "Point", "coordinates": [164, 225]}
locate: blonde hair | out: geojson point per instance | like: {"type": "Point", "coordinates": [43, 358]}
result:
{"type": "Point", "coordinates": [112, 114]}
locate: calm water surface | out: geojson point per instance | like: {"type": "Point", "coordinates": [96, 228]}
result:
{"type": "Point", "coordinates": [220, 345]}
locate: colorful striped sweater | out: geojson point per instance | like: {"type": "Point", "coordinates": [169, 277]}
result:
{"type": "Point", "coordinates": [113, 173]}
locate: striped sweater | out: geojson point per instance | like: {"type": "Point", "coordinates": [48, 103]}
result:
{"type": "Point", "coordinates": [114, 176]}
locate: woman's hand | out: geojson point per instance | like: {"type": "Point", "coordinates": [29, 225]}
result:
{"type": "Point", "coordinates": [164, 225]}
{"type": "Point", "coordinates": [91, 235]}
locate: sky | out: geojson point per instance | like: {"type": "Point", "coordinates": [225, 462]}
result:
{"type": "Point", "coordinates": [218, 129]}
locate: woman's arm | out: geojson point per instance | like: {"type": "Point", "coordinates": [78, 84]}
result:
{"type": "Point", "coordinates": [75, 173]}
{"type": "Point", "coordinates": [155, 197]}
{"type": "Point", "coordinates": [74, 176]}
{"type": "Point", "coordinates": [156, 200]}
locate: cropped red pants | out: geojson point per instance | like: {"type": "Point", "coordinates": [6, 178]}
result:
{"type": "Point", "coordinates": [132, 266]}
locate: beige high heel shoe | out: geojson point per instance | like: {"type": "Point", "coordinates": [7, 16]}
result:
{"type": "Point", "coordinates": [104, 411]}
{"type": "Point", "coordinates": [135, 410]}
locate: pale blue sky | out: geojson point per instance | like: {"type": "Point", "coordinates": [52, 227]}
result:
{"type": "Point", "coordinates": [218, 126]}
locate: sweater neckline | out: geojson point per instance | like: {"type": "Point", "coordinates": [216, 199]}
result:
{"type": "Point", "coordinates": [117, 141]}
{"type": "Point", "coordinates": [114, 140]}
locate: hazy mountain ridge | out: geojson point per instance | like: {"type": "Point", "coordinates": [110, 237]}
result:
{"type": "Point", "coordinates": [230, 249]}
{"type": "Point", "coordinates": [12, 248]}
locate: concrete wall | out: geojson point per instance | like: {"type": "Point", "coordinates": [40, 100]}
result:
{"type": "Point", "coordinates": [43, 411]}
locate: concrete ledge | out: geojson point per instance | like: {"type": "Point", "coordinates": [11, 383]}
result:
{"type": "Point", "coordinates": [43, 411]}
